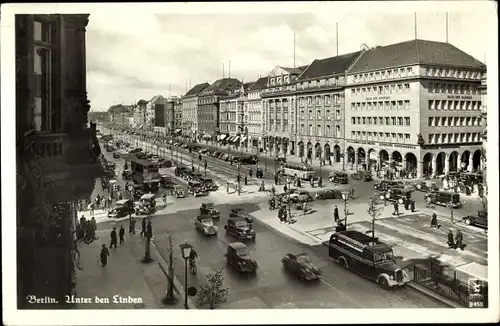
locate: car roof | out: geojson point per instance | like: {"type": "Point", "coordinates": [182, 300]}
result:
{"type": "Point", "coordinates": [147, 196]}
{"type": "Point", "coordinates": [237, 245]}
{"type": "Point", "coordinates": [237, 219]}
{"type": "Point", "coordinates": [123, 201]}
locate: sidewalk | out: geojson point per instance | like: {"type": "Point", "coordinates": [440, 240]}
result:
{"type": "Point", "coordinates": [138, 285]}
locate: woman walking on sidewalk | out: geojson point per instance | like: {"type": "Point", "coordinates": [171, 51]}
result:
{"type": "Point", "coordinates": [104, 255]}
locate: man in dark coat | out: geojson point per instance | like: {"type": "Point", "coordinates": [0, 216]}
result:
{"type": "Point", "coordinates": [104, 255]}
{"type": "Point", "coordinates": [113, 239]}
{"type": "Point", "coordinates": [143, 224]}
{"type": "Point", "coordinates": [459, 240]}
{"type": "Point", "coordinates": [149, 230]}
{"type": "Point", "coordinates": [412, 205]}
{"type": "Point", "coordinates": [451, 240]}
{"type": "Point", "coordinates": [336, 214]}
{"type": "Point", "coordinates": [121, 234]}
{"type": "Point", "coordinates": [396, 209]}
{"type": "Point", "coordinates": [434, 221]}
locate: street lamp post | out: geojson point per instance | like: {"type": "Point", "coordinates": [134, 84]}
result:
{"type": "Point", "coordinates": [186, 252]}
{"type": "Point", "coordinates": [345, 197]}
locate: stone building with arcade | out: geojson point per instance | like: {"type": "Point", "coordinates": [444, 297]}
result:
{"type": "Point", "coordinates": [280, 111]}
{"type": "Point", "coordinates": [320, 113]}
{"type": "Point", "coordinates": [414, 106]}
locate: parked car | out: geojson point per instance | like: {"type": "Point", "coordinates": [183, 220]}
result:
{"type": "Point", "coordinates": [208, 209]}
{"type": "Point", "coordinates": [445, 198]}
{"type": "Point", "coordinates": [240, 228]}
{"type": "Point", "coordinates": [338, 177]}
{"type": "Point", "coordinates": [395, 194]}
{"type": "Point", "coordinates": [424, 187]}
{"type": "Point", "coordinates": [206, 225]}
{"type": "Point", "coordinates": [384, 185]}
{"type": "Point", "coordinates": [480, 220]}
{"type": "Point", "coordinates": [301, 266]}
{"type": "Point", "coordinates": [362, 175]}
{"type": "Point", "coordinates": [328, 194]}
{"type": "Point", "coordinates": [123, 208]}
{"type": "Point", "coordinates": [238, 256]}
{"type": "Point", "coordinates": [240, 212]}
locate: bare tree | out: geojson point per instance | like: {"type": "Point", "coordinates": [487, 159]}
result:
{"type": "Point", "coordinates": [170, 297]}
{"type": "Point", "coordinates": [213, 294]}
{"type": "Point", "coordinates": [375, 209]}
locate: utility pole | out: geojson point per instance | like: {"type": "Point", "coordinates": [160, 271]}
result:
{"type": "Point", "coordinates": [446, 27]}
{"type": "Point", "coordinates": [415, 23]}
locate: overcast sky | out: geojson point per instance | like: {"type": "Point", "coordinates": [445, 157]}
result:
{"type": "Point", "coordinates": [136, 52]}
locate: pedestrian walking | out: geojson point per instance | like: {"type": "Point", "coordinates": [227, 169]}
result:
{"type": "Point", "coordinates": [280, 213]}
{"type": "Point", "coordinates": [131, 227]}
{"type": "Point", "coordinates": [149, 230]}
{"type": "Point", "coordinates": [113, 239]}
{"type": "Point", "coordinates": [459, 240]}
{"type": "Point", "coordinates": [285, 188]}
{"type": "Point", "coordinates": [412, 205]}
{"type": "Point", "coordinates": [320, 182]}
{"type": "Point", "coordinates": [227, 187]}
{"type": "Point", "coordinates": [406, 203]}
{"type": "Point", "coordinates": [143, 225]}
{"type": "Point", "coordinates": [104, 255]}
{"type": "Point", "coordinates": [336, 214]}
{"type": "Point", "coordinates": [110, 200]}
{"type": "Point", "coordinates": [451, 239]}
{"type": "Point", "coordinates": [92, 206]}
{"type": "Point", "coordinates": [352, 193]}
{"type": "Point", "coordinates": [246, 181]}
{"type": "Point", "coordinates": [304, 207]}
{"type": "Point", "coordinates": [396, 209]}
{"type": "Point", "coordinates": [164, 199]}
{"type": "Point", "coordinates": [434, 221]}
{"type": "Point", "coordinates": [121, 234]}
{"type": "Point", "coordinates": [250, 172]}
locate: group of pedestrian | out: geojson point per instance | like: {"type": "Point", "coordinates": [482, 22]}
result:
{"type": "Point", "coordinates": [456, 241]}
{"type": "Point", "coordinates": [146, 231]}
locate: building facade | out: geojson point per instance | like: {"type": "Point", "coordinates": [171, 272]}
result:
{"type": "Point", "coordinates": [279, 104]}
{"type": "Point", "coordinates": [320, 92]}
{"type": "Point", "coordinates": [169, 118]}
{"type": "Point", "coordinates": [140, 114]}
{"type": "Point", "coordinates": [57, 154]}
{"type": "Point", "coordinates": [254, 114]}
{"type": "Point", "coordinates": [209, 105]}
{"type": "Point", "coordinates": [233, 116]}
{"type": "Point", "coordinates": [189, 108]}
{"type": "Point", "coordinates": [413, 106]}
{"type": "Point", "coordinates": [177, 104]}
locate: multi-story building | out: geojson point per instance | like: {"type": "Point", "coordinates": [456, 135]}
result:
{"type": "Point", "coordinates": [254, 114]}
{"type": "Point", "coordinates": [414, 105]}
{"type": "Point", "coordinates": [321, 104]}
{"type": "Point", "coordinates": [169, 118]}
{"type": "Point", "coordinates": [208, 107]}
{"type": "Point", "coordinates": [232, 116]}
{"type": "Point", "coordinates": [178, 114]}
{"type": "Point", "coordinates": [140, 114]}
{"type": "Point", "coordinates": [57, 153]}
{"type": "Point", "coordinates": [484, 136]}
{"type": "Point", "coordinates": [189, 108]}
{"type": "Point", "coordinates": [280, 110]}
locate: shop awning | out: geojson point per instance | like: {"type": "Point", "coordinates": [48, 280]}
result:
{"type": "Point", "coordinates": [243, 139]}
{"type": "Point", "coordinates": [140, 127]}
{"type": "Point", "coordinates": [222, 137]}
{"type": "Point", "coordinates": [236, 139]}
{"type": "Point", "coordinates": [177, 131]}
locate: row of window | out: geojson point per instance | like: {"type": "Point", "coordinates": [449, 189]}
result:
{"type": "Point", "coordinates": [381, 90]}
{"type": "Point", "coordinates": [381, 136]}
{"type": "Point", "coordinates": [279, 80]}
{"type": "Point", "coordinates": [453, 73]}
{"type": "Point", "coordinates": [334, 81]}
{"type": "Point", "coordinates": [319, 132]}
{"type": "Point", "coordinates": [454, 105]}
{"type": "Point", "coordinates": [453, 88]}
{"type": "Point", "coordinates": [454, 121]}
{"type": "Point", "coordinates": [469, 137]}
{"type": "Point", "coordinates": [321, 100]}
{"type": "Point", "coordinates": [320, 114]}
{"type": "Point", "coordinates": [279, 127]}
{"type": "Point", "coordinates": [384, 75]}
{"type": "Point", "coordinates": [388, 121]}
{"type": "Point", "coordinates": [386, 105]}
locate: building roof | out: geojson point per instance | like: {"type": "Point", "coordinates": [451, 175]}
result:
{"type": "Point", "coordinates": [329, 66]}
{"type": "Point", "coordinates": [197, 89]}
{"type": "Point", "coordinates": [155, 98]}
{"type": "Point", "coordinates": [414, 52]}
{"type": "Point", "coordinates": [222, 86]}
{"type": "Point", "coordinates": [261, 83]}
{"type": "Point", "coordinates": [297, 70]}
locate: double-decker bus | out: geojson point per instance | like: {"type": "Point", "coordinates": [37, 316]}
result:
{"type": "Point", "coordinates": [368, 257]}
{"type": "Point", "coordinates": [300, 170]}
{"type": "Point", "coordinates": [145, 174]}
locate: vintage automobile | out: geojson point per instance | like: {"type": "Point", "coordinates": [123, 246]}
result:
{"type": "Point", "coordinates": [240, 228]}
{"type": "Point", "coordinates": [301, 196]}
{"type": "Point", "coordinates": [395, 194]}
{"type": "Point", "coordinates": [197, 189]}
{"type": "Point", "coordinates": [424, 187]}
{"type": "Point", "coordinates": [445, 198]}
{"type": "Point", "coordinates": [301, 266]}
{"type": "Point", "coordinates": [209, 184]}
{"type": "Point", "coordinates": [362, 175]}
{"type": "Point", "coordinates": [206, 225]}
{"type": "Point", "coordinates": [338, 177]}
{"type": "Point", "coordinates": [123, 208]}
{"type": "Point", "coordinates": [384, 185]}
{"type": "Point", "coordinates": [208, 209]}
{"type": "Point", "coordinates": [166, 181]}
{"type": "Point", "coordinates": [480, 220]}
{"type": "Point", "coordinates": [179, 191]}
{"type": "Point", "coordinates": [240, 212]}
{"type": "Point", "coordinates": [238, 256]}
{"type": "Point", "coordinates": [194, 176]}
{"type": "Point", "coordinates": [180, 171]}
{"type": "Point", "coordinates": [328, 194]}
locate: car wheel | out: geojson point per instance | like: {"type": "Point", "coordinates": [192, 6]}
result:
{"type": "Point", "coordinates": [468, 221]}
{"type": "Point", "coordinates": [382, 281]}
{"type": "Point", "coordinates": [342, 261]}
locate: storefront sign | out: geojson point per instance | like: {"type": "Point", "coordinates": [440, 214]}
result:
{"type": "Point", "coordinates": [459, 97]}
{"type": "Point", "coordinates": [375, 98]}
{"type": "Point", "coordinates": [365, 142]}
